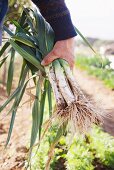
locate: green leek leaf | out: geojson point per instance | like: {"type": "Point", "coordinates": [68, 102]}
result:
{"type": "Point", "coordinates": [27, 56]}
{"type": "Point", "coordinates": [11, 127]}
{"type": "Point", "coordinates": [35, 115]}
{"type": "Point", "coordinates": [24, 40]}
{"type": "Point", "coordinates": [6, 45]}
{"type": "Point", "coordinates": [85, 40]}
{"type": "Point", "coordinates": [49, 98]}
{"type": "Point", "coordinates": [10, 72]}
{"type": "Point", "coordinates": [42, 106]}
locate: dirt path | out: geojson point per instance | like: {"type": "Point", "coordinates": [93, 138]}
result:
{"type": "Point", "coordinates": [100, 94]}
{"type": "Point", "coordinates": [95, 88]}
{"type": "Point", "coordinates": [13, 158]}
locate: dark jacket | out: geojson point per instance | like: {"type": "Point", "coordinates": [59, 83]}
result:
{"type": "Point", "coordinates": [3, 10]}
{"type": "Point", "coordinates": [54, 11]}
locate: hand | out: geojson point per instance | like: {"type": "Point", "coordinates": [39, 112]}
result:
{"type": "Point", "coordinates": [62, 49]}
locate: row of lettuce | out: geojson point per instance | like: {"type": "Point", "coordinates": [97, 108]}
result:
{"type": "Point", "coordinates": [97, 66]}
{"type": "Point", "coordinates": [94, 151]}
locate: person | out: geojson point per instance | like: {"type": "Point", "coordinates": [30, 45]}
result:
{"type": "Point", "coordinates": [3, 10]}
{"type": "Point", "coordinates": [58, 16]}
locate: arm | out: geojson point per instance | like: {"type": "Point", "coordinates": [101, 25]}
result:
{"type": "Point", "coordinates": [58, 15]}
{"type": "Point", "coordinates": [3, 10]}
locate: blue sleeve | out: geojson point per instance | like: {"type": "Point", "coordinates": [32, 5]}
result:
{"type": "Point", "coordinates": [3, 11]}
{"type": "Point", "coordinates": [58, 16]}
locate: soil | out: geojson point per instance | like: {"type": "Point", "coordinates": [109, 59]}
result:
{"type": "Point", "coordinates": [13, 158]}
{"type": "Point", "coordinates": [99, 166]}
{"type": "Point", "coordinates": [100, 94]}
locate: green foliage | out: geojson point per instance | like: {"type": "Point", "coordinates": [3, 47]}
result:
{"type": "Point", "coordinates": [79, 157]}
{"type": "Point", "coordinates": [10, 71]}
{"type": "Point", "coordinates": [15, 9]}
{"type": "Point", "coordinates": [95, 61]}
{"type": "Point", "coordinates": [103, 146]}
{"type": "Point", "coordinates": [39, 159]}
{"type": "Point", "coordinates": [18, 97]}
{"type": "Point", "coordinates": [83, 153]}
{"type": "Point", "coordinates": [85, 40]}
{"type": "Point", "coordinates": [96, 149]}
{"type": "Point", "coordinates": [35, 115]}
{"type": "Point", "coordinates": [97, 66]}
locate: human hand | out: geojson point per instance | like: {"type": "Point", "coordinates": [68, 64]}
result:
{"type": "Point", "coordinates": [62, 49]}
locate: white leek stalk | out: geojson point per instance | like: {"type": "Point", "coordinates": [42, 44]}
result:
{"type": "Point", "coordinates": [72, 105]}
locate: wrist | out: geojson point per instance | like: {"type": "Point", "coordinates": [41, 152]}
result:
{"type": "Point", "coordinates": [66, 44]}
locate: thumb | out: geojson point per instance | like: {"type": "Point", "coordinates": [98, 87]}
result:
{"type": "Point", "coordinates": [48, 59]}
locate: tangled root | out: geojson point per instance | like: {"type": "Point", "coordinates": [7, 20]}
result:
{"type": "Point", "coordinates": [81, 116]}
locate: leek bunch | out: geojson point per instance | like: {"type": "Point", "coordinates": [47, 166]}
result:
{"type": "Point", "coordinates": [33, 40]}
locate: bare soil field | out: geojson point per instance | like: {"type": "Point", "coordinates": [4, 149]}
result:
{"type": "Point", "coordinates": [14, 156]}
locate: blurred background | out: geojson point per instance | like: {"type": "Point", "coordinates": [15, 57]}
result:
{"type": "Point", "coordinates": [93, 18]}
{"type": "Point", "coordinates": [94, 73]}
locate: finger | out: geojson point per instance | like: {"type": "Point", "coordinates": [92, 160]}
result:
{"type": "Point", "coordinates": [72, 64]}
{"type": "Point", "coordinates": [49, 59]}
{"type": "Point", "coordinates": [70, 61]}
